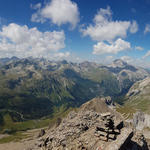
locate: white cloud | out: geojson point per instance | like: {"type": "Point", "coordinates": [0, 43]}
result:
{"type": "Point", "coordinates": [114, 48]}
{"type": "Point", "coordinates": [36, 17]}
{"type": "Point", "coordinates": [134, 27]}
{"type": "Point", "coordinates": [127, 59]}
{"type": "Point", "coordinates": [147, 54]}
{"type": "Point", "coordinates": [62, 55]}
{"type": "Point", "coordinates": [16, 40]}
{"type": "Point", "coordinates": [139, 48]}
{"type": "Point", "coordinates": [136, 61]}
{"type": "Point", "coordinates": [105, 29]}
{"type": "Point", "coordinates": [147, 28]}
{"type": "Point", "coordinates": [58, 12]}
{"type": "Point", "coordinates": [108, 59]}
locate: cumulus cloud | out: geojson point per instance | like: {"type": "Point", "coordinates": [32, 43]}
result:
{"type": "Point", "coordinates": [61, 55]}
{"type": "Point", "coordinates": [127, 59]}
{"type": "Point", "coordinates": [108, 59]}
{"type": "Point", "coordinates": [136, 61]}
{"type": "Point", "coordinates": [139, 48]}
{"type": "Point", "coordinates": [105, 29]}
{"type": "Point", "coordinates": [114, 48]}
{"type": "Point", "coordinates": [109, 33]}
{"type": "Point", "coordinates": [21, 41]}
{"type": "Point", "coordinates": [147, 28]}
{"type": "Point", "coordinates": [58, 12]}
{"type": "Point", "coordinates": [134, 27]}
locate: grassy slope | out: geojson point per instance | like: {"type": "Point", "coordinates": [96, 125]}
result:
{"type": "Point", "coordinates": [141, 102]}
{"type": "Point", "coordinates": [35, 92]}
{"type": "Point", "coordinates": [108, 82]}
{"type": "Point", "coordinates": [141, 99]}
{"type": "Point", "coordinates": [126, 110]}
{"type": "Point", "coordinates": [19, 128]}
{"type": "Point", "coordinates": [137, 99]}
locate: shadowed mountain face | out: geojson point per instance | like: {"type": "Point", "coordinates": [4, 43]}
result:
{"type": "Point", "coordinates": [33, 88]}
{"type": "Point", "coordinates": [6, 60]}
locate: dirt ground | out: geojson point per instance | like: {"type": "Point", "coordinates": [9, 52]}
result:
{"type": "Point", "coordinates": [25, 144]}
{"type": "Point", "coordinates": [17, 145]}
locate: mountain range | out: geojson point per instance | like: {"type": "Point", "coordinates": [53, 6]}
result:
{"type": "Point", "coordinates": [34, 88]}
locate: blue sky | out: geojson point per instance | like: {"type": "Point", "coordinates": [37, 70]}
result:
{"type": "Point", "coordinates": [76, 30]}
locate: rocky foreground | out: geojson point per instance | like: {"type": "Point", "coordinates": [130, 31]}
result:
{"type": "Point", "coordinates": [95, 126]}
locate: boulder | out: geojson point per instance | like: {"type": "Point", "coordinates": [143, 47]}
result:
{"type": "Point", "coordinates": [41, 133]}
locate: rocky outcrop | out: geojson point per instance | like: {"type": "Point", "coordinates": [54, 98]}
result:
{"type": "Point", "coordinates": [83, 130]}
{"type": "Point", "coordinates": [141, 122]}
{"type": "Point", "coordinates": [140, 87]}
{"type": "Point", "coordinates": [123, 139]}
{"type": "Point", "coordinates": [91, 129]}
{"type": "Point", "coordinates": [42, 132]}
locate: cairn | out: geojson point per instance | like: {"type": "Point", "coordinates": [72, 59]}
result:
{"type": "Point", "coordinates": [108, 131]}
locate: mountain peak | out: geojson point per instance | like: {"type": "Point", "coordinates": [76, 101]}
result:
{"type": "Point", "coordinates": [119, 63]}
{"type": "Point", "coordinates": [7, 59]}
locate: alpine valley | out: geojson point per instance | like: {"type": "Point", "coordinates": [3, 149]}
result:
{"type": "Point", "coordinates": [34, 90]}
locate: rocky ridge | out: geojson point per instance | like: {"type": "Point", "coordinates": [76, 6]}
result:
{"type": "Point", "coordinates": [91, 128]}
